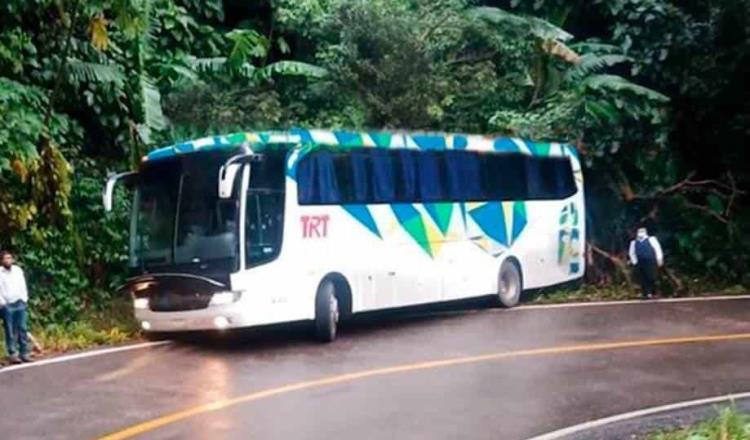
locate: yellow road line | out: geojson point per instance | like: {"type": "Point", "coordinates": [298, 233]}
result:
{"type": "Point", "coordinates": [159, 422]}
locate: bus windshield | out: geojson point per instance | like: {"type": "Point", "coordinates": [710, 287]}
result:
{"type": "Point", "coordinates": [179, 218]}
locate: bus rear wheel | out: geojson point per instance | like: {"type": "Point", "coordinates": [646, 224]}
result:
{"type": "Point", "coordinates": [326, 312]}
{"type": "Point", "coordinates": [509, 285]}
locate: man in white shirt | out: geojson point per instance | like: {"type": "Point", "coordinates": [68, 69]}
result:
{"type": "Point", "coordinates": [13, 299]}
{"type": "Point", "coordinates": [646, 254]}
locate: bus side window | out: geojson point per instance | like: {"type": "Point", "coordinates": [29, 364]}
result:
{"type": "Point", "coordinates": [316, 179]}
{"type": "Point", "coordinates": [382, 178]}
{"type": "Point", "coordinates": [263, 226]}
{"type": "Point", "coordinates": [431, 177]}
{"type": "Point", "coordinates": [359, 164]}
{"type": "Point", "coordinates": [503, 176]}
{"type": "Point", "coordinates": [463, 176]}
{"type": "Point", "coordinates": [565, 181]}
{"type": "Point", "coordinates": [405, 170]}
{"type": "Point", "coordinates": [550, 178]}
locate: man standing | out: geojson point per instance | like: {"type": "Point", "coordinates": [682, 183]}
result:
{"type": "Point", "coordinates": [13, 299]}
{"type": "Point", "coordinates": [646, 254]}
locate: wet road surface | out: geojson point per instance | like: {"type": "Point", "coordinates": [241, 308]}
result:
{"type": "Point", "coordinates": [470, 374]}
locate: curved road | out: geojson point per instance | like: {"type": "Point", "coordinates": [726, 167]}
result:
{"type": "Point", "coordinates": [476, 373]}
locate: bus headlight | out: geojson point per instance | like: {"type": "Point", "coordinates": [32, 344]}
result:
{"type": "Point", "coordinates": [221, 322]}
{"type": "Point", "coordinates": [140, 303]}
{"type": "Point", "coordinates": [224, 298]}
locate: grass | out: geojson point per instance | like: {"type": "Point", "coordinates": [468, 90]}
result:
{"type": "Point", "coordinates": [730, 424]}
{"type": "Point", "coordinates": [584, 293]}
{"type": "Point", "coordinates": [589, 293]}
{"type": "Point", "coordinates": [109, 326]}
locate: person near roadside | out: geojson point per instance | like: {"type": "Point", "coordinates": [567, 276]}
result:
{"type": "Point", "coordinates": [14, 297]}
{"type": "Point", "coordinates": [646, 255]}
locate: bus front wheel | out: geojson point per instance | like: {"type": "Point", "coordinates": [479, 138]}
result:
{"type": "Point", "coordinates": [326, 312]}
{"type": "Point", "coordinates": [509, 285]}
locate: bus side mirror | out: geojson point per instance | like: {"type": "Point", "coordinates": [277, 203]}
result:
{"type": "Point", "coordinates": [227, 174]}
{"type": "Point", "coordinates": [109, 187]}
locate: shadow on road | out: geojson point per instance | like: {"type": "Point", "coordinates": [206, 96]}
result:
{"type": "Point", "coordinates": [300, 334]}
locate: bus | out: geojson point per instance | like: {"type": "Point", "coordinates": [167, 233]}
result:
{"type": "Point", "coordinates": [259, 228]}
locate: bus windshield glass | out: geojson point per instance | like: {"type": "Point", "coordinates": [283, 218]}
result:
{"type": "Point", "coordinates": [179, 218]}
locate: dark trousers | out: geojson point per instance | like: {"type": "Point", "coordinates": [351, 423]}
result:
{"type": "Point", "coordinates": [15, 319]}
{"type": "Point", "coordinates": [646, 276]}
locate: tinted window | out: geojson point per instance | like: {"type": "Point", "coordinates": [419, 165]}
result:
{"type": "Point", "coordinates": [550, 178]}
{"type": "Point", "coordinates": [264, 225]}
{"type": "Point", "coordinates": [382, 177]}
{"type": "Point", "coordinates": [405, 169]}
{"type": "Point", "coordinates": [503, 176]}
{"type": "Point", "coordinates": [359, 164]}
{"type": "Point", "coordinates": [316, 176]}
{"type": "Point", "coordinates": [264, 211]}
{"type": "Point", "coordinates": [371, 176]}
{"type": "Point", "coordinates": [431, 177]}
{"type": "Point", "coordinates": [463, 177]}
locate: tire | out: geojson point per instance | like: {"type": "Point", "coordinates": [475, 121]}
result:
{"type": "Point", "coordinates": [326, 312]}
{"type": "Point", "coordinates": [509, 285]}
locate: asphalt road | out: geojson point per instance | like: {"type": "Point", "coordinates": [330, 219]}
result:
{"type": "Point", "coordinates": [469, 374]}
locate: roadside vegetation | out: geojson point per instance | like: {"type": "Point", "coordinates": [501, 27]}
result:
{"type": "Point", "coordinates": [649, 92]}
{"type": "Point", "coordinates": [730, 424]}
{"type": "Point", "coordinates": [110, 326]}
{"type": "Point", "coordinates": [620, 292]}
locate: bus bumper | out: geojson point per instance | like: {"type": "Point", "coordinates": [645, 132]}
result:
{"type": "Point", "coordinates": [250, 311]}
{"type": "Point", "coordinates": [211, 318]}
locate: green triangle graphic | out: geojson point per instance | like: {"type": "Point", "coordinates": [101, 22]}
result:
{"type": "Point", "coordinates": [415, 227]}
{"type": "Point", "coordinates": [520, 209]}
{"type": "Point", "coordinates": [441, 214]}
{"type": "Point", "coordinates": [381, 139]}
{"type": "Point", "coordinates": [542, 149]}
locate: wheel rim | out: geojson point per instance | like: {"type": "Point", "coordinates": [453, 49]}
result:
{"type": "Point", "coordinates": [334, 309]}
{"type": "Point", "coordinates": [509, 286]}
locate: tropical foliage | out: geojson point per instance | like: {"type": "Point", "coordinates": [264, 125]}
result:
{"type": "Point", "coordinates": [729, 424]}
{"type": "Point", "coordinates": [649, 91]}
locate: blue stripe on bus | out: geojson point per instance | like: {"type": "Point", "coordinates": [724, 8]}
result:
{"type": "Point", "coordinates": [427, 142]}
{"type": "Point", "coordinates": [505, 145]}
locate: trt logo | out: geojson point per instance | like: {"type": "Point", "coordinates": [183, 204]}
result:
{"type": "Point", "coordinates": [314, 226]}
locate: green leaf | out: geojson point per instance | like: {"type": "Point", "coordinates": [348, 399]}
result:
{"type": "Point", "coordinates": [614, 83]}
{"type": "Point", "coordinates": [602, 111]}
{"type": "Point", "coordinates": [153, 116]}
{"type": "Point", "coordinates": [247, 44]}
{"type": "Point", "coordinates": [208, 65]}
{"type": "Point", "coordinates": [533, 25]}
{"type": "Point", "coordinates": [83, 71]}
{"type": "Point", "coordinates": [296, 68]}
{"type": "Point", "coordinates": [499, 17]}
{"type": "Point", "coordinates": [588, 47]}
{"type": "Point", "coordinates": [591, 63]}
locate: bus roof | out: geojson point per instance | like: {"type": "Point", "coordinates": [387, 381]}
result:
{"type": "Point", "coordinates": [260, 140]}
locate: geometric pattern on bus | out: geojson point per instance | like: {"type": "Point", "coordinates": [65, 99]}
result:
{"type": "Point", "coordinates": [363, 215]}
{"type": "Point", "coordinates": [493, 226]}
{"type": "Point", "coordinates": [346, 139]}
{"type": "Point", "coordinates": [569, 236]}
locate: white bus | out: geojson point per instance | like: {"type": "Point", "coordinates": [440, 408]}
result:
{"type": "Point", "coordinates": [260, 228]}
